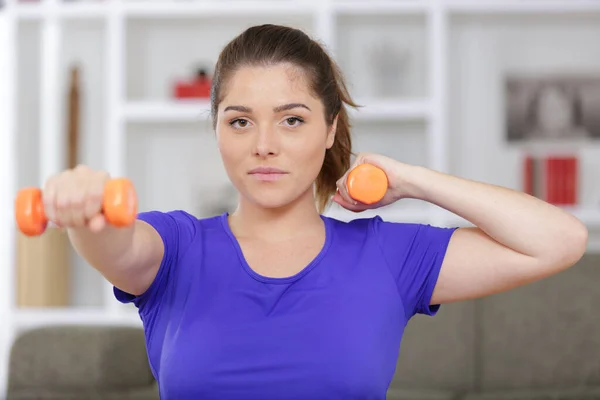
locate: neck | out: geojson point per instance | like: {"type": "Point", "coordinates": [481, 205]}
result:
{"type": "Point", "coordinates": [252, 220]}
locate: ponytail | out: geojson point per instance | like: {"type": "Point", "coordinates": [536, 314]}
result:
{"type": "Point", "coordinates": [337, 158]}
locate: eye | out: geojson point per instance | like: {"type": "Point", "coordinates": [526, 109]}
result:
{"type": "Point", "coordinates": [241, 123]}
{"type": "Point", "coordinates": [294, 121]}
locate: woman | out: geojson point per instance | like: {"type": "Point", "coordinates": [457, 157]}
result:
{"type": "Point", "coordinates": [277, 301]}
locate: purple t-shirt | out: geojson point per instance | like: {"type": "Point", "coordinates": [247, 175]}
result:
{"type": "Point", "coordinates": [216, 329]}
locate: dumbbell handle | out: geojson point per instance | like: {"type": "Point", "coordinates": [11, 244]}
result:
{"type": "Point", "coordinates": [119, 206]}
{"type": "Point", "coordinates": [367, 183]}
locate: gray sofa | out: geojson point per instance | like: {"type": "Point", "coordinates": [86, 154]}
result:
{"type": "Point", "coordinates": [80, 363]}
{"type": "Point", "coordinates": [538, 342]}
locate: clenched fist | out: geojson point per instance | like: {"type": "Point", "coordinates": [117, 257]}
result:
{"type": "Point", "coordinates": [74, 198]}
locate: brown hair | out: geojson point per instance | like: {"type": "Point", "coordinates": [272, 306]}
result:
{"type": "Point", "coordinates": [272, 44]}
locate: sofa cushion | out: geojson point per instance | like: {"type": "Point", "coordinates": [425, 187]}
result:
{"type": "Point", "coordinates": [150, 393]}
{"type": "Point", "coordinates": [581, 393]}
{"type": "Point", "coordinates": [420, 394]}
{"type": "Point", "coordinates": [80, 357]}
{"type": "Point", "coordinates": [544, 335]}
{"type": "Point", "coordinates": [437, 352]}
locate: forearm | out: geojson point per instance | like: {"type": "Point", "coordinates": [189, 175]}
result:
{"type": "Point", "coordinates": [519, 221]}
{"type": "Point", "coordinates": [106, 250]}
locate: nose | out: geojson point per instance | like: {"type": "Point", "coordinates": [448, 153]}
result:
{"type": "Point", "coordinates": [267, 143]}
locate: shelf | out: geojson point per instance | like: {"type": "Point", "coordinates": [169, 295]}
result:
{"type": "Point", "coordinates": [167, 111]}
{"type": "Point", "coordinates": [193, 9]}
{"type": "Point", "coordinates": [199, 110]}
{"type": "Point", "coordinates": [83, 10]}
{"type": "Point", "coordinates": [399, 213]}
{"type": "Point", "coordinates": [70, 10]}
{"type": "Point", "coordinates": [361, 7]}
{"type": "Point", "coordinates": [589, 216]}
{"type": "Point", "coordinates": [31, 318]}
{"type": "Point", "coordinates": [522, 7]}
{"type": "Point", "coordinates": [392, 110]}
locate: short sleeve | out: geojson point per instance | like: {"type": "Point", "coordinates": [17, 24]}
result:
{"type": "Point", "coordinates": [177, 230]}
{"type": "Point", "coordinates": [414, 254]}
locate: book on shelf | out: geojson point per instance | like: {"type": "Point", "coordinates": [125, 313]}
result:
{"type": "Point", "coordinates": [552, 178]}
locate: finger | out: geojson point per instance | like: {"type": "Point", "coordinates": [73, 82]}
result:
{"type": "Point", "coordinates": [49, 198]}
{"type": "Point", "coordinates": [64, 209]}
{"type": "Point", "coordinates": [77, 199]}
{"type": "Point", "coordinates": [69, 201]}
{"type": "Point", "coordinates": [93, 201]}
{"type": "Point", "coordinates": [342, 190]}
{"type": "Point", "coordinates": [337, 198]}
{"type": "Point", "coordinates": [97, 223]}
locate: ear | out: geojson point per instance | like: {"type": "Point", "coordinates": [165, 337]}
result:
{"type": "Point", "coordinates": [331, 133]}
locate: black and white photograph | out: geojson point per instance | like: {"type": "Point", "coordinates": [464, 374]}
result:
{"type": "Point", "coordinates": [552, 109]}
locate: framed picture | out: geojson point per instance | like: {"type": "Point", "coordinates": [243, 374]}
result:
{"type": "Point", "coordinates": [552, 109]}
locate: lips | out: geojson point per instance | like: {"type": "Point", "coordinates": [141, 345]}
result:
{"type": "Point", "coordinates": [266, 170]}
{"type": "Point", "coordinates": [267, 174]}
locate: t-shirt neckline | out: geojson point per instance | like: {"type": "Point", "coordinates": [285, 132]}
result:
{"type": "Point", "coordinates": [288, 279]}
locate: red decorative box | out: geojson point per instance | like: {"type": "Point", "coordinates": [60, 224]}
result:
{"type": "Point", "coordinates": [199, 88]}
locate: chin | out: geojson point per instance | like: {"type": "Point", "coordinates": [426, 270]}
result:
{"type": "Point", "coordinates": [271, 200]}
{"type": "Point", "coordinates": [271, 197]}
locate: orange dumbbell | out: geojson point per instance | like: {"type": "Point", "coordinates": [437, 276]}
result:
{"type": "Point", "coordinates": [367, 183]}
{"type": "Point", "coordinates": [119, 207]}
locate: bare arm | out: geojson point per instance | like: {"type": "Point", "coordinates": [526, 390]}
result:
{"type": "Point", "coordinates": [518, 238]}
{"type": "Point", "coordinates": [128, 258]}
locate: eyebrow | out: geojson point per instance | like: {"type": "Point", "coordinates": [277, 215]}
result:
{"type": "Point", "coordinates": [284, 107]}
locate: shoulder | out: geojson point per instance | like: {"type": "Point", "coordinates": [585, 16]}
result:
{"type": "Point", "coordinates": [392, 236]}
{"type": "Point", "coordinates": [375, 225]}
{"type": "Point", "coordinates": [177, 221]}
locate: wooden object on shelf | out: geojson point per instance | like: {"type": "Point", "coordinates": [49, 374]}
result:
{"type": "Point", "coordinates": [43, 262]}
{"type": "Point", "coordinates": [43, 269]}
{"type": "Point", "coordinates": [73, 121]}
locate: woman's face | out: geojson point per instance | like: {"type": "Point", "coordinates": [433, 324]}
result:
{"type": "Point", "coordinates": [272, 134]}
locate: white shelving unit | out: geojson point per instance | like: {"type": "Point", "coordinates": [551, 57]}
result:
{"type": "Point", "coordinates": [129, 117]}
{"type": "Point", "coordinates": [7, 180]}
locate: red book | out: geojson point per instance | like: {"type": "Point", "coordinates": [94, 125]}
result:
{"type": "Point", "coordinates": [571, 175]}
{"type": "Point", "coordinates": [552, 180]}
{"type": "Point", "coordinates": [561, 180]}
{"type": "Point", "coordinates": [528, 175]}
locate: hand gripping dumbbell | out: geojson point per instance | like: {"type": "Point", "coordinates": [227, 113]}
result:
{"type": "Point", "coordinates": [367, 183]}
{"type": "Point", "coordinates": [119, 206]}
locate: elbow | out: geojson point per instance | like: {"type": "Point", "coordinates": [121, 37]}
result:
{"type": "Point", "coordinates": [574, 244]}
